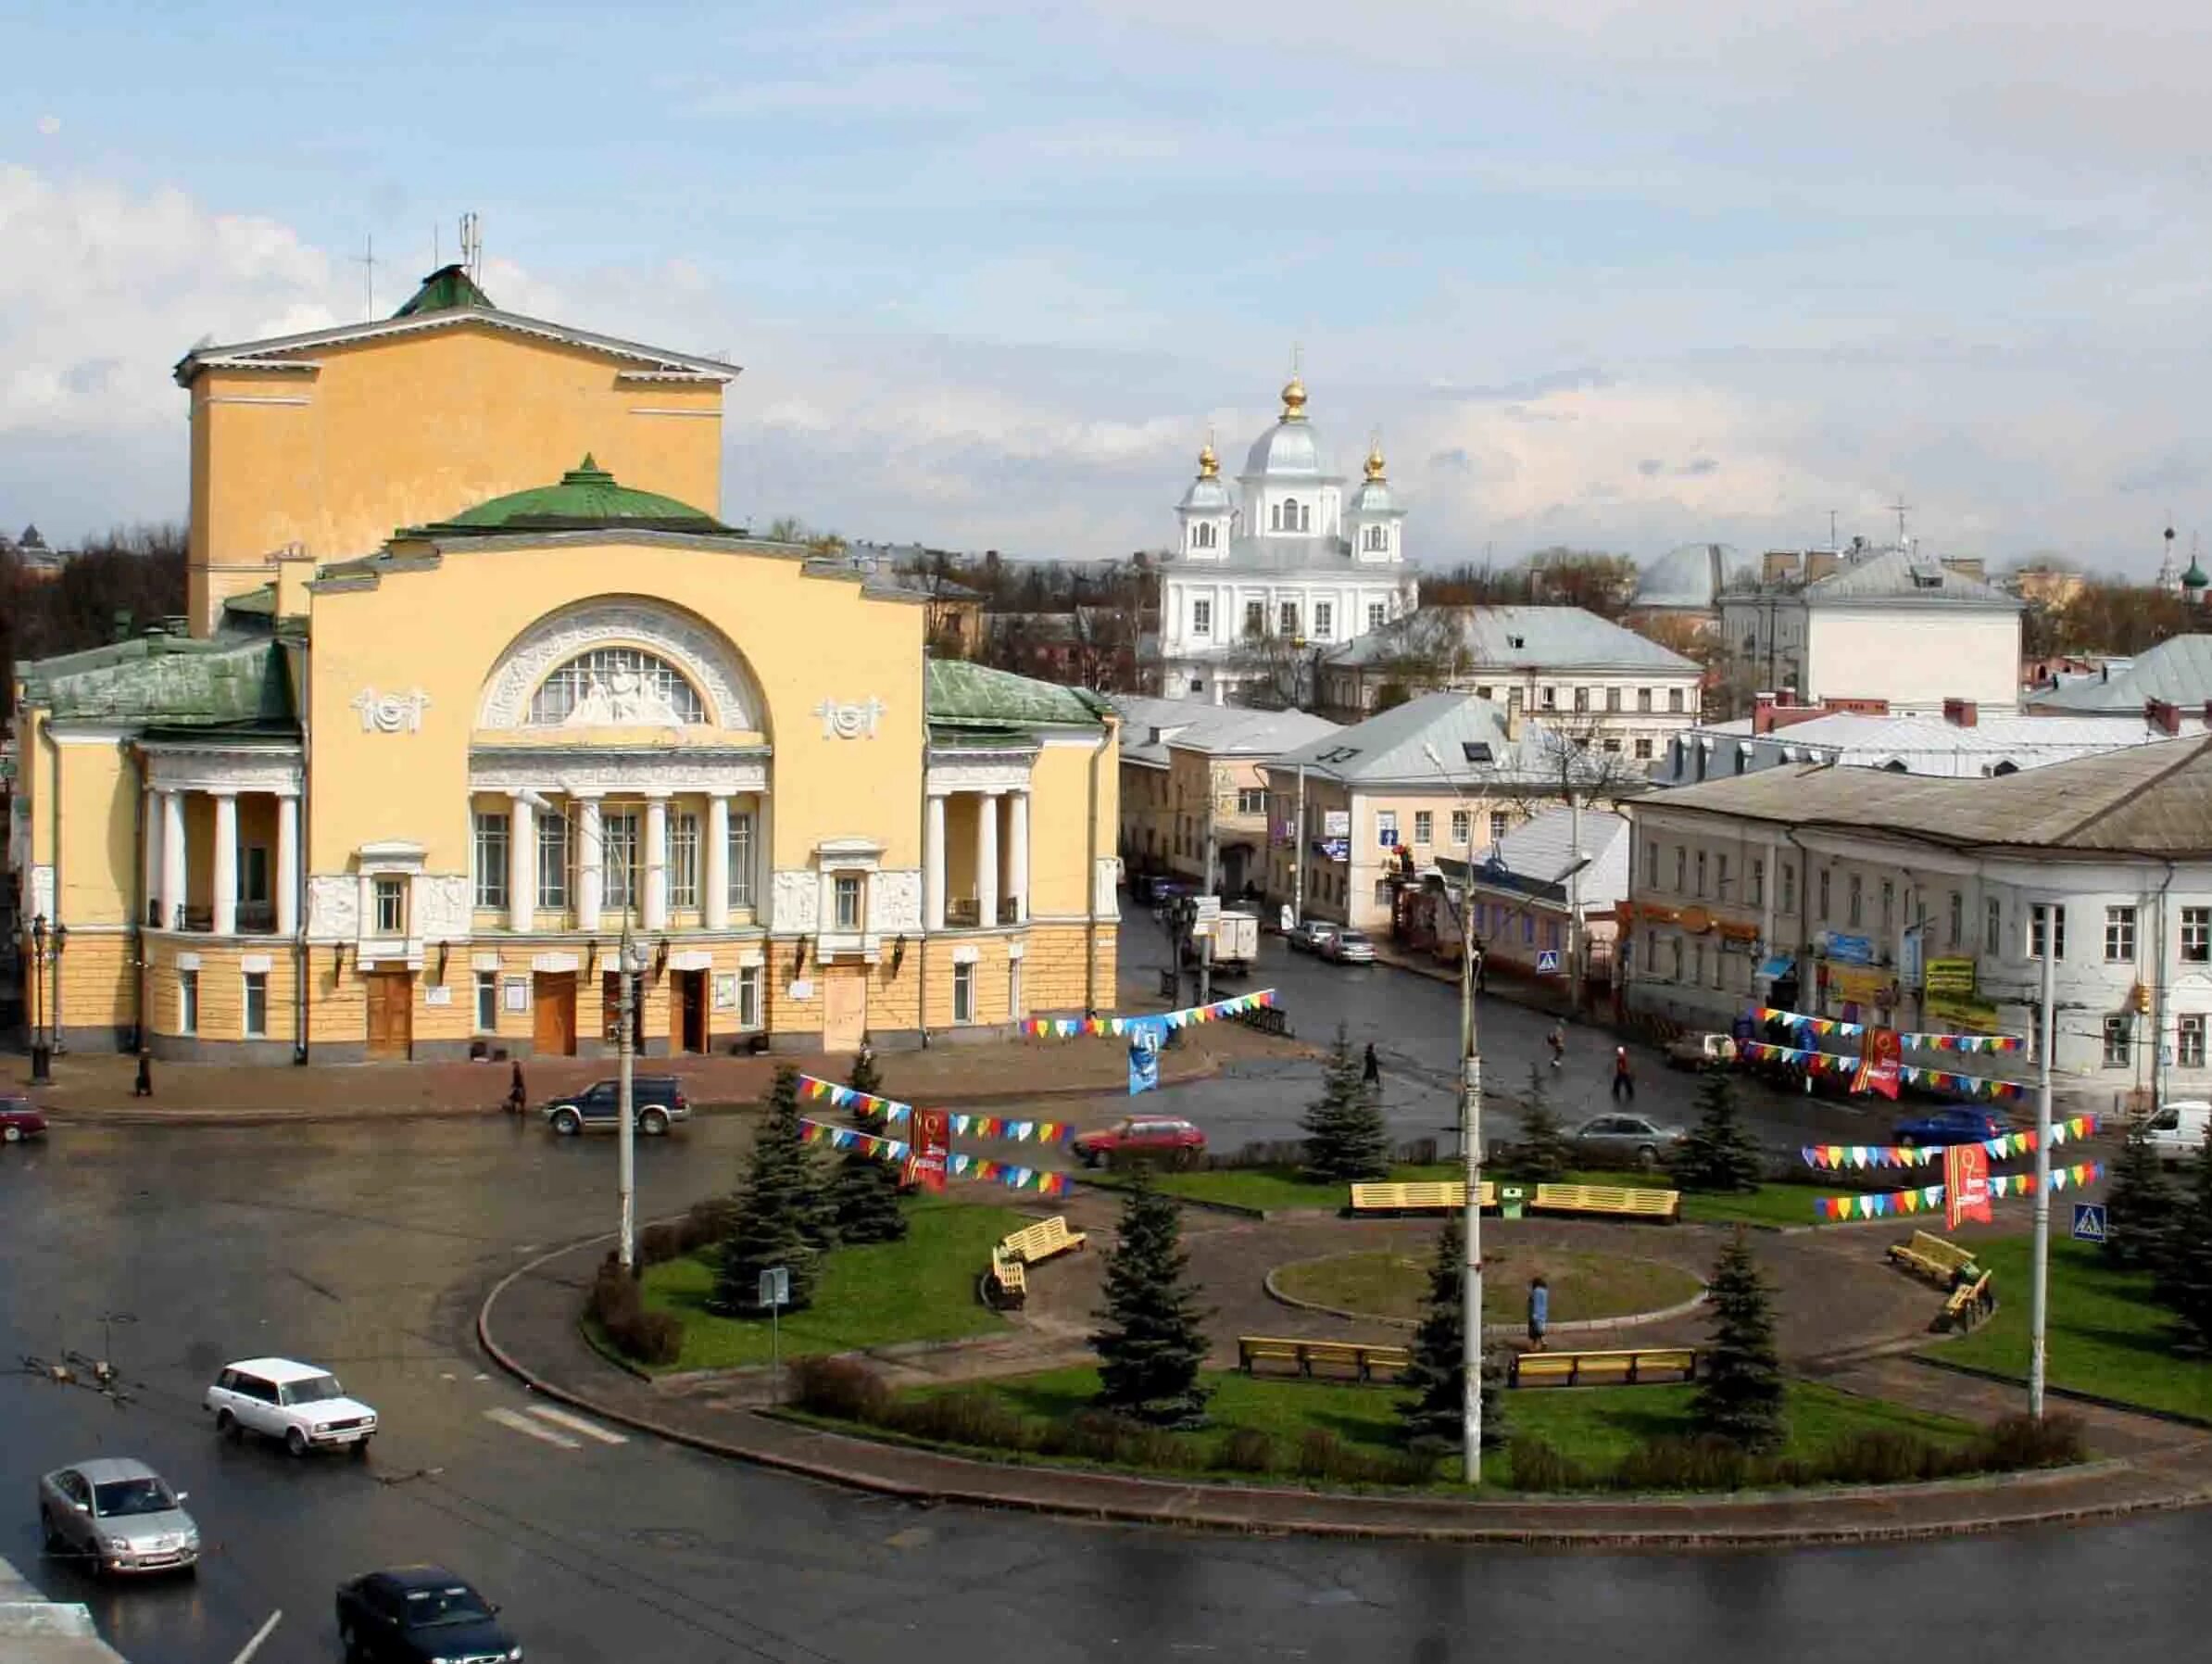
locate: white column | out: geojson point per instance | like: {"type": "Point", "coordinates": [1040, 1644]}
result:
{"type": "Point", "coordinates": [172, 858]}
{"type": "Point", "coordinates": [656, 864]}
{"type": "Point", "coordinates": [986, 861]}
{"type": "Point", "coordinates": [287, 866]}
{"type": "Point", "coordinates": [591, 861]}
{"type": "Point", "coordinates": [1017, 855]}
{"type": "Point", "coordinates": [714, 904]}
{"type": "Point", "coordinates": [153, 855]}
{"type": "Point", "coordinates": [521, 864]}
{"type": "Point", "coordinates": [226, 863]}
{"type": "Point", "coordinates": [933, 859]}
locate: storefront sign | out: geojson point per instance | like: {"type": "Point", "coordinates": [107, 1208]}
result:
{"type": "Point", "coordinates": [1334, 849]}
{"type": "Point", "coordinates": [1950, 976]}
{"type": "Point", "coordinates": [1335, 823]}
{"type": "Point", "coordinates": [1859, 987]}
{"type": "Point", "coordinates": [1850, 950]}
{"type": "Point", "coordinates": [1959, 1014]}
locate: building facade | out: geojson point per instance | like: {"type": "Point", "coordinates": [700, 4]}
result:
{"type": "Point", "coordinates": [409, 801]}
{"type": "Point", "coordinates": [1266, 576]}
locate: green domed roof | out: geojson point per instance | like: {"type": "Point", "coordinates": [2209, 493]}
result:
{"type": "Point", "coordinates": [2194, 577]}
{"type": "Point", "coordinates": [587, 500]}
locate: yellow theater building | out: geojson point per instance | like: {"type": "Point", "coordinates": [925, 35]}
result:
{"type": "Point", "coordinates": [473, 689]}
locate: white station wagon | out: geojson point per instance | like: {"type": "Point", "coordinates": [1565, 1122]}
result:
{"type": "Point", "coordinates": [302, 1406]}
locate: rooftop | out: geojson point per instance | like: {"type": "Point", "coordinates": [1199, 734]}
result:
{"type": "Point", "coordinates": [176, 681]}
{"type": "Point", "coordinates": [1906, 576]}
{"type": "Point", "coordinates": [587, 499]}
{"type": "Point", "coordinates": [1475, 638]}
{"type": "Point", "coordinates": [2177, 669]}
{"type": "Point", "coordinates": [1469, 738]}
{"type": "Point", "coordinates": [1235, 731]}
{"type": "Point", "coordinates": [974, 696]}
{"type": "Point", "coordinates": [1692, 578]}
{"type": "Point", "coordinates": [1539, 855]}
{"type": "Point", "coordinates": [1931, 745]}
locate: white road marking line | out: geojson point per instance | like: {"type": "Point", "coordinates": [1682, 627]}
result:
{"type": "Point", "coordinates": [577, 1424]}
{"type": "Point", "coordinates": [260, 1635]}
{"type": "Point", "coordinates": [535, 1430]}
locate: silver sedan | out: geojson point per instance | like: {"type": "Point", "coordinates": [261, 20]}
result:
{"type": "Point", "coordinates": [1629, 1141]}
{"type": "Point", "coordinates": [118, 1515]}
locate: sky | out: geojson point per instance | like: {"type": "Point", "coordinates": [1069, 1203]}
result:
{"type": "Point", "coordinates": [1605, 273]}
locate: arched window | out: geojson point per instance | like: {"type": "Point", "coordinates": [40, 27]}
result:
{"type": "Point", "coordinates": [616, 686]}
{"type": "Point", "coordinates": [1275, 518]}
{"type": "Point", "coordinates": [1290, 516]}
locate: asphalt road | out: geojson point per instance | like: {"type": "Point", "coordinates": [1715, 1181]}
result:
{"type": "Point", "coordinates": [368, 1250]}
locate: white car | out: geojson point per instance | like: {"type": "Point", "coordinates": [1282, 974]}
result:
{"type": "Point", "coordinates": [302, 1406]}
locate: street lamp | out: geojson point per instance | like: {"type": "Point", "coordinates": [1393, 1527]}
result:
{"type": "Point", "coordinates": [625, 1040]}
{"type": "Point", "coordinates": [42, 1054]}
{"type": "Point", "coordinates": [1470, 1143]}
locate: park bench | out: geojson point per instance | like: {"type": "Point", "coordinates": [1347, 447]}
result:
{"type": "Point", "coordinates": [1930, 1256]}
{"type": "Point", "coordinates": [1633, 1368]}
{"type": "Point", "coordinates": [1041, 1241]}
{"type": "Point", "coordinates": [1968, 1303]}
{"type": "Point", "coordinates": [1609, 1200]}
{"type": "Point", "coordinates": [1438, 1196]}
{"type": "Point", "coordinates": [1267, 1019]}
{"type": "Point", "coordinates": [1005, 1283]}
{"type": "Point", "coordinates": [1360, 1359]}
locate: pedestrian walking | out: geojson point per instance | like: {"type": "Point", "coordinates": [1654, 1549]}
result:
{"type": "Point", "coordinates": [1624, 1076]}
{"type": "Point", "coordinates": [145, 1087]}
{"type": "Point", "coordinates": [1539, 1312]}
{"type": "Point", "coordinates": [517, 1099]}
{"type": "Point", "coordinates": [1557, 1039]}
{"type": "Point", "coordinates": [1371, 1069]}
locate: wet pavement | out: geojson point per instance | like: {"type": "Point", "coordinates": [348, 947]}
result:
{"type": "Point", "coordinates": [369, 1248]}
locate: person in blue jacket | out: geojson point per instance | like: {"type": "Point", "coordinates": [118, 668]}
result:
{"type": "Point", "coordinates": [1539, 1312]}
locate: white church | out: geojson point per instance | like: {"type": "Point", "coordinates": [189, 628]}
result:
{"type": "Point", "coordinates": [1267, 577]}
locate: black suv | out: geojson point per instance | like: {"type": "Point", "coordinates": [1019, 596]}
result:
{"type": "Point", "coordinates": [659, 1100]}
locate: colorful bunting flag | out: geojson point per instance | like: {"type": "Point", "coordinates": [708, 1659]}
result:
{"type": "Point", "coordinates": [962, 1166]}
{"type": "Point", "coordinates": [2001, 1148]}
{"type": "Point", "coordinates": [892, 1113]}
{"type": "Point", "coordinates": [1092, 1028]}
{"type": "Point", "coordinates": [1992, 1043]}
{"type": "Point", "coordinates": [1880, 1204]}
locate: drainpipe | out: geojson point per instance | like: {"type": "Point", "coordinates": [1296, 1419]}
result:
{"type": "Point", "coordinates": [922, 956]}
{"type": "Point", "coordinates": [139, 947]}
{"type": "Point", "coordinates": [53, 979]}
{"type": "Point", "coordinates": [2158, 998]}
{"type": "Point", "coordinates": [302, 957]}
{"type": "Point", "coordinates": [1090, 874]}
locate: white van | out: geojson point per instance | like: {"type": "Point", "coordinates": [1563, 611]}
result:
{"type": "Point", "coordinates": [2177, 1132]}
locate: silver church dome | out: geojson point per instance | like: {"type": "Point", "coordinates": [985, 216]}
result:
{"type": "Point", "coordinates": [1692, 577]}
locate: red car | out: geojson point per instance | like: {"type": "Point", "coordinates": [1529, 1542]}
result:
{"type": "Point", "coordinates": [20, 1121]}
{"type": "Point", "coordinates": [1159, 1139]}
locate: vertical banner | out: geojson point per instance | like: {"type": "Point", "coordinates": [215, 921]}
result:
{"type": "Point", "coordinates": [1878, 1062]}
{"type": "Point", "coordinates": [932, 1143]}
{"type": "Point", "coordinates": [1966, 1185]}
{"type": "Point", "coordinates": [1144, 1056]}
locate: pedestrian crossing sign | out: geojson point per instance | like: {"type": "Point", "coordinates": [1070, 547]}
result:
{"type": "Point", "coordinates": [1546, 961]}
{"type": "Point", "coordinates": [2089, 1222]}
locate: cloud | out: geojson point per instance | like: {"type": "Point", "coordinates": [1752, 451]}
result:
{"type": "Point", "coordinates": [49, 125]}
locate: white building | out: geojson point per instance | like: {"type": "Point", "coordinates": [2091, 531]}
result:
{"type": "Point", "coordinates": [1285, 564]}
{"type": "Point", "coordinates": [1922, 904]}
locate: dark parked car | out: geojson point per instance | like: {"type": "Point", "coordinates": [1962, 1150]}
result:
{"type": "Point", "coordinates": [419, 1615]}
{"type": "Point", "coordinates": [1159, 1139]}
{"type": "Point", "coordinates": [1954, 1124]}
{"type": "Point", "coordinates": [18, 1120]}
{"type": "Point", "coordinates": [659, 1099]}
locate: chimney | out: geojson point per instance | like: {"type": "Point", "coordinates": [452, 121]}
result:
{"type": "Point", "coordinates": [1762, 713]}
{"type": "Point", "coordinates": [1819, 562]}
{"type": "Point", "coordinates": [1779, 567]}
{"type": "Point", "coordinates": [1961, 713]}
{"type": "Point", "coordinates": [2163, 715]}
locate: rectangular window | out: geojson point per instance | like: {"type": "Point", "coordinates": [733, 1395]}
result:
{"type": "Point", "coordinates": [1824, 896]}
{"type": "Point", "coordinates": [2120, 936]}
{"type": "Point", "coordinates": [1644, 750]}
{"type": "Point", "coordinates": [963, 993]}
{"type": "Point", "coordinates": [1757, 894]}
{"type": "Point", "coordinates": [1425, 825]}
{"type": "Point", "coordinates": [1582, 701]}
{"type": "Point", "coordinates": [1677, 947]}
{"type": "Point", "coordinates": [748, 996]}
{"type": "Point", "coordinates": [682, 860]}
{"type": "Point", "coordinates": [1701, 872]}
{"type": "Point", "coordinates": [491, 858]}
{"type": "Point", "coordinates": [1324, 619]}
{"type": "Point", "coordinates": [1551, 699]}
{"type": "Point", "coordinates": [1251, 800]}
{"type": "Point", "coordinates": [1681, 870]}
{"type": "Point", "coordinates": [1375, 615]}
{"type": "Point", "coordinates": [1255, 618]}
{"type": "Point", "coordinates": [1202, 618]}
{"type": "Point", "coordinates": [256, 1006]}
{"type": "Point", "coordinates": [1386, 829]}
{"type": "Point", "coordinates": [848, 893]}
{"type": "Point", "coordinates": [741, 858]}
{"type": "Point", "coordinates": [390, 895]}
{"type": "Point", "coordinates": [2036, 914]}
{"type": "Point", "coordinates": [1460, 821]}
{"type": "Point", "coordinates": [1613, 700]}
{"type": "Point", "coordinates": [487, 1001]}
{"type": "Point", "coordinates": [1720, 876]}
{"type": "Point", "coordinates": [2190, 1053]}
{"type": "Point", "coordinates": [1889, 902]}
{"type": "Point", "coordinates": [553, 861]}
{"type": "Point", "coordinates": [1644, 700]}
{"type": "Point", "coordinates": [1527, 929]}
{"type": "Point", "coordinates": [254, 873]}
{"type": "Point", "coordinates": [188, 1002]}
{"type": "Point", "coordinates": [2116, 1030]}
{"type": "Point", "coordinates": [1611, 747]}
{"type": "Point", "coordinates": [1858, 908]}
{"type": "Point", "coordinates": [1497, 825]}
{"type": "Point", "coordinates": [617, 833]}
{"type": "Point", "coordinates": [1958, 918]}
{"type": "Point", "coordinates": [2196, 935]}
{"type": "Point", "coordinates": [1674, 700]}
{"type": "Point", "coordinates": [1286, 619]}
{"type": "Point", "coordinates": [1788, 886]}
{"type": "Point", "coordinates": [1993, 928]}
{"type": "Point", "coordinates": [1650, 863]}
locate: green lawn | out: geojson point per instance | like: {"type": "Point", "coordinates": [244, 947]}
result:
{"type": "Point", "coordinates": [921, 1289]}
{"type": "Point", "coordinates": [1594, 1426]}
{"type": "Point", "coordinates": [2106, 1336]}
{"type": "Point", "coordinates": [1584, 1285]}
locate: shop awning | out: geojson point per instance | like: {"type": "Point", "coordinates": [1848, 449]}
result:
{"type": "Point", "coordinates": [1778, 964]}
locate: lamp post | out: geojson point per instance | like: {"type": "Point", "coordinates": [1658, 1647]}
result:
{"type": "Point", "coordinates": [42, 1054]}
{"type": "Point", "coordinates": [625, 1038]}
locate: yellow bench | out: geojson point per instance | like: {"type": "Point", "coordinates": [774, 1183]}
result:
{"type": "Point", "coordinates": [1970, 1303]}
{"type": "Point", "coordinates": [1361, 1360]}
{"type": "Point", "coordinates": [1607, 1199]}
{"type": "Point", "coordinates": [1930, 1256]}
{"type": "Point", "coordinates": [1634, 1368]}
{"type": "Point", "coordinates": [1042, 1241]}
{"type": "Point", "coordinates": [1440, 1196]}
{"type": "Point", "coordinates": [1011, 1282]}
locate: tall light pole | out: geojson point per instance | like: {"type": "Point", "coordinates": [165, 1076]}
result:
{"type": "Point", "coordinates": [625, 1040]}
{"type": "Point", "coordinates": [2038, 1301]}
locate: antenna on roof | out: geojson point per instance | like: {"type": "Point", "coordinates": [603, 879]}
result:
{"type": "Point", "coordinates": [471, 247]}
{"type": "Point", "coordinates": [1899, 508]}
{"type": "Point", "coordinates": [366, 261]}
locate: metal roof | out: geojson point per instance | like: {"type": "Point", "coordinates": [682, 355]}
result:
{"type": "Point", "coordinates": [1692, 578]}
{"type": "Point", "coordinates": [2177, 669]}
{"type": "Point", "coordinates": [1469, 736]}
{"type": "Point", "coordinates": [1906, 576]}
{"type": "Point", "coordinates": [1926, 745]}
{"type": "Point", "coordinates": [1475, 638]}
{"type": "Point", "coordinates": [1539, 855]}
{"type": "Point", "coordinates": [961, 695]}
{"type": "Point", "coordinates": [175, 680]}
{"type": "Point", "coordinates": [587, 498]}
{"type": "Point", "coordinates": [1236, 731]}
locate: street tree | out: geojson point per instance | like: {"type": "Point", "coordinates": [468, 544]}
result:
{"type": "Point", "coordinates": [1741, 1397]}
{"type": "Point", "coordinates": [1544, 1153]}
{"type": "Point", "coordinates": [864, 1199]}
{"type": "Point", "coordinates": [780, 1216]}
{"type": "Point", "coordinates": [2184, 1282]}
{"type": "Point", "coordinates": [1347, 1140]}
{"type": "Point", "coordinates": [1150, 1342]}
{"type": "Point", "coordinates": [2139, 1209]}
{"type": "Point", "coordinates": [1432, 1417]}
{"type": "Point", "coordinates": [1717, 1153]}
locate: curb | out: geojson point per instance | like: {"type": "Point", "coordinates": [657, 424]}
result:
{"type": "Point", "coordinates": [2174, 1417]}
{"type": "Point", "coordinates": [1217, 1507]}
{"type": "Point", "coordinates": [1491, 1331]}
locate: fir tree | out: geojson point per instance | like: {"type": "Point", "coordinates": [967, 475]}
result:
{"type": "Point", "coordinates": [865, 1078]}
{"type": "Point", "coordinates": [864, 1196]}
{"type": "Point", "coordinates": [2140, 1208]}
{"type": "Point", "coordinates": [2186, 1269]}
{"type": "Point", "coordinates": [1149, 1345]}
{"type": "Point", "coordinates": [780, 1216]}
{"type": "Point", "coordinates": [1433, 1418]}
{"type": "Point", "coordinates": [1346, 1139]}
{"type": "Point", "coordinates": [1717, 1153]}
{"type": "Point", "coordinates": [1544, 1154]}
{"type": "Point", "coordinates": [1740, 1399]}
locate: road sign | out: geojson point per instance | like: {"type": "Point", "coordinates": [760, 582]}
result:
{"type": "Point", "coordinates": [1546, 961]}
{"type": "Point", "coordinates": [775, 1287]}
{"type": "Point", "coordinates": [2089, 1222]}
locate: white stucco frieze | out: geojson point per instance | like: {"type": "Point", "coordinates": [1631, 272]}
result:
{"type": "Point", "coordinates": [954, 773]}
{"type": "Point", "coordinates": [854, 720]}
{"type": "Point", "coordinates": [443, 902]}
{"type": "Point", "coordinates": [391, 713]}
{"type": "Point", "coordinates": [706, 659]}
{"type": "Point", "coordinates": [584, 772]}
{"type": "Point", "coordinates": [333, 907]}
{"type": "Point", "coordinates": [795, 900]}
{"type": "Point", "coordinates": [42, 893]}
{"type": "Point", "coordinates": [219, 768]}
{"type": "Point", "coordinates": [1104, 902]}
{"type": "Point", "coordinates": [894, 901]}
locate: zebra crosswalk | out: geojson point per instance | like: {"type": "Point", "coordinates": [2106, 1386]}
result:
{"type": "Point", "coordinates": [554, 1427]}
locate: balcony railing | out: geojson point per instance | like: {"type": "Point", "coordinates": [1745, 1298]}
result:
{"type": "Point", "coordinates": [255, 918]}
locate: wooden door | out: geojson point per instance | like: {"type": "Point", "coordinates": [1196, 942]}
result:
{"type": "Point", "coordinates": [687, 1011]}
{"type": "Point", "coordinates": [843, 1007]}
{"type": "Point", "coordinates": [553, 1026]}
{"type": "Point", "coordinates": [391, 1014]}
